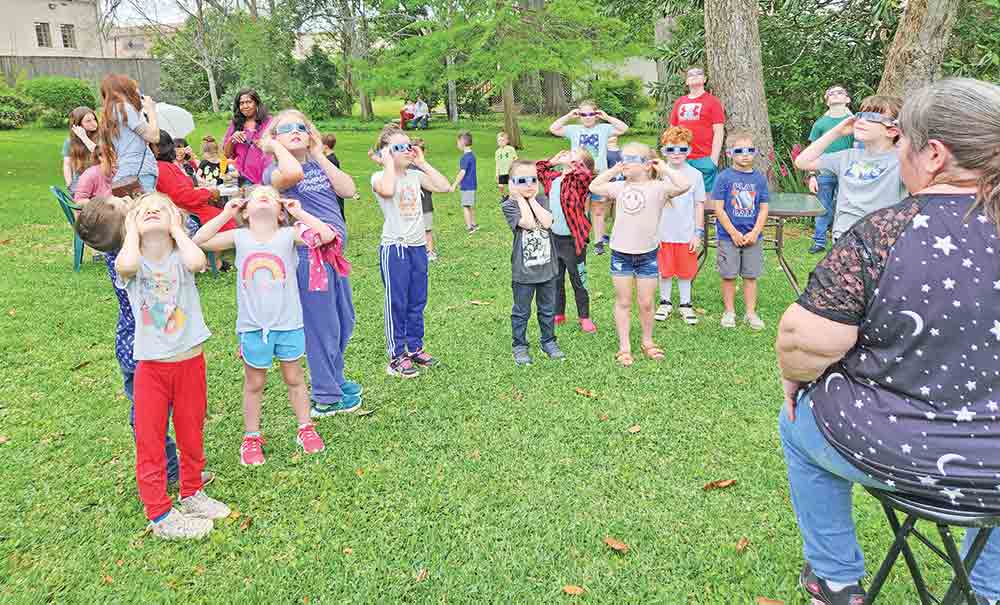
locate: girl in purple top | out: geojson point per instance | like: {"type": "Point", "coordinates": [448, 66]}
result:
{"type": "Point", "coordinates": [243, 138]}
{"type": "Point", "coordinates": [301, 171]}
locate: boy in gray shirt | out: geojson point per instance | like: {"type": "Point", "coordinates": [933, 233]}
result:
{"type": "Point", "coordinates": [533, 262]}
{"type": "Point", "coordinates": [867, 179]}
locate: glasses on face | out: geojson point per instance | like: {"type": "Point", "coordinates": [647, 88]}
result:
{"type": "Point", "coordinates": [633, 159]}
{"type": "Point", "coordinates": [401, 147]}
{"type": "Point", "coordinates": [668, 149]}
{"type": "Point", "coordinates": [587, 114]}
{"type": "Point", "coordinates": [743, 150]}
{"type": "Point", "coordinates": [523, 180]}
{"type": "Point", "coordinates": [876, 118]}
{"type": "Point", "coordinates": [836, 91]}
{"type": "Point", "coordinates": [695, 73]}
{"type": "Point", "coordinates": [289, 127]}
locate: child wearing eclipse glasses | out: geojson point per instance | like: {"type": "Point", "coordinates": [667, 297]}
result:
{"type": "Point", "coordinates": [682, 226]}
{"type": "Point", "coordinates": [824, 184]}
{"type": "Point", "coordinates": [740, 196]}
{"type": "Point", "coordinates": [403, 251]}
{"type": "Point", "coordinates": [867, 179]}
{"type": "Point", "coordinates": [534, 264]}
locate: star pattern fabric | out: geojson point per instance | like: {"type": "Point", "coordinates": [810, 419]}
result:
{"type": "Point", "coordinates": [125, 330]}
{"type": "Point", "coordinates": [915, 403]}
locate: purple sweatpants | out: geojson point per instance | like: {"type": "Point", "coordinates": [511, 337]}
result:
{"type": "Point", "coordinates": [328, 318]}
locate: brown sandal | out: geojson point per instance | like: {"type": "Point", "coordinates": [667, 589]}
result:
{"type": "Point", "coordinates": [624, 358]}
{"type": "Point", "coordinates": [653, 352]}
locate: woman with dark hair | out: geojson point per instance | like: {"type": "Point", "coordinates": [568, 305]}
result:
{"type": "Point", "coordinates": [889, 357]}
{"type": "Point", "coordinates": [78, 150]}
{"type": "Point", "coordinates": [242, 141]}
{"type": "Point", "coordinates": [127, 127]}
{"type": "Point", "coordinates": [177, 185]}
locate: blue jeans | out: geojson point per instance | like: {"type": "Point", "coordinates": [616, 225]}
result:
{"type": "Point", "coordinates": [545, 296]}
{"type": "Point", "coordinates": [420, 122]}
{"type": "Point", "coordinates": [820, 481]}
{"type": "Point", "coordinates": [826, 191]}
{"type": "Point", "coordinates": [173, 468]}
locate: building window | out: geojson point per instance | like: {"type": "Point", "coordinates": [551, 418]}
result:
{"type": "Point", "coordinates": [68, 36]}
{"type": "Point", "coordinates": [43, 35]}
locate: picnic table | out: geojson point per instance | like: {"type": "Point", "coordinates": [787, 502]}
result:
{"type": "Point", "coordinates": [781, 207]}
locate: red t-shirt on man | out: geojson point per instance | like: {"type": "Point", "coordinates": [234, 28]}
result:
{"type": "Point", "coordinates": [698, 115]}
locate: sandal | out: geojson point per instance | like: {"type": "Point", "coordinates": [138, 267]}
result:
{"type": "Point", "coordinates": [624, 358]}
{"type": "Point", "coordinates": [653, 352]}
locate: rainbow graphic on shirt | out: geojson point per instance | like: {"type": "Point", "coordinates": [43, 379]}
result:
{"type": "Point", "coordinates": [263, 261]}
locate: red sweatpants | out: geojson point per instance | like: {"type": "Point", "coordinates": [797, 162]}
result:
{"type": "Point", "coordinates": [158, 386]}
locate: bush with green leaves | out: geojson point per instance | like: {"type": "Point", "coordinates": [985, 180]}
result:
{"type": "Point", "coordinates": [317, 89]}
{"type": "Point", "coordinates": [10, 117]}
{"type": "Point", "coordinates": [621, 98]}
{"type": "Point", "coordinates": [59, 94]}
{"type": "Point", "coordinates": [51, 118]}
{"type": "Point", "coordinates": [17, 109]}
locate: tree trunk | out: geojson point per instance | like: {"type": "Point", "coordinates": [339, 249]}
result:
{"type": "Point", "coordinates": [449, 60]}
{"type": "Point", "coordinates": [212, 89]}
{"type": "Point", "coordinates": [732, 49]}
{"type": "Point", "coordinates": [663, 30]}
{"type": "Point", "coordinates": [252, 6]}
{"type": "Point", "coordinates": [205, 57]}
{"type": "Point", "coordinates": [917, 51]}
{"type": "Point", "coordinates": [554, 89]}
{"type": "Point", "coordinates": [510, 124]}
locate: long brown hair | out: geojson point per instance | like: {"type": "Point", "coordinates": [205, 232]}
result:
{"type": "Point", "coordinates": [116, 90]}
{"type": "Point", "coordinates": [80, 158]}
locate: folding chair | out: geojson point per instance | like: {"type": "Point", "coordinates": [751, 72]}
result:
{"type": "Point", "coordinates": [67, 205]}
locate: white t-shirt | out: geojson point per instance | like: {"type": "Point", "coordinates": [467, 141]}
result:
{"type": "Point", "coordinates": [404, 214]}
{"type": "Point", "coordinates": [677, 223]}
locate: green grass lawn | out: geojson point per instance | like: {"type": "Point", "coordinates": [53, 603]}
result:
{"type": "Point", "coordinates": [500, 482]}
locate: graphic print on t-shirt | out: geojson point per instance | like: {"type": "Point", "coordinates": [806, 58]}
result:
{"type": "Point", "coordinates": [590, 142]}
{"type": "Point", "coordinates": [409, 199]}
{"type": "Point", "coordinates": [271, 267]}
{"type": "Point", "coordinates": [632, 201]}
{"type": "Point", "coordinates": [535, 247]}
{"type": "Point", "coordinates": [689, 112]}
{"type": "Point", "coordinates": [158, 295]}
{"type": "Point", "coordinates": [866, 170]}
{"type": "Point", "coordinates": [744, 199]}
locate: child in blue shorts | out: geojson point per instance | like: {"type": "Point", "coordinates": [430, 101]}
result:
{"type": "Point", "coordinates": [269, 313]}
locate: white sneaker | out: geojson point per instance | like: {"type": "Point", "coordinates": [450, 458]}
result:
{"type": "Point", "coordinates": [201, 506]}
{"type": "Point", "coordinates": [663, 311]}
{"type": "Point", "coordinates": [176, 526]}
{"type": "Point", "coordinates": [688, 314]}
{"type": "Point", "coordinates": [728, 320]}
{"type": "Point", "coordinates": [754, 321]}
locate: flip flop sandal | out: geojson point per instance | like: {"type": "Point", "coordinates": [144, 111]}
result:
{"type": "Point", "coordinates": [653, 352]}
{"type": "Point", "coordinates": [624, 358]}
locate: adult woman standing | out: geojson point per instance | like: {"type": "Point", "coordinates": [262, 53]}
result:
{"type": "Point", "coordinates": [127, 128]}
{"type": "Point", "coordinates": [889, 357]}
{"type": "Point", "coordinates": [78, 149]}
{"type": "Point", "coordinates": [242, 141]}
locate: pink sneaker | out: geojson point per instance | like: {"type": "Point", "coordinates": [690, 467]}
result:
{"type": "Point", "coordinates": [560, 320]}
{"type": "Point", "coordinates": [310, 440]}
{"type": "Point", "coordinates": [252, 451]}
{"type": "Point", "coordinates": [587, 325]}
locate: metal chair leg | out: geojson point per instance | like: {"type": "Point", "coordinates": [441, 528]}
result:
{"type": "Point", "coordinates": [890, 559]}
{"type": "Point", "coordinates": [911, 561]}
{"type": "Point", "coordinates": [962, 581]}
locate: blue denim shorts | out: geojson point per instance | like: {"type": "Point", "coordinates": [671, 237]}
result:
{"type": "Point", "coordinates": [283, 345]}
{"type": "Point", "coordinates": [642, 266]}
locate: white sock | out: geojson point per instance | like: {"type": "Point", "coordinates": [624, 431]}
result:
{"type": "Point", "coordinates": [666, 288]}
{"type": "Point", "coordinates": [684, 285]}
{"type": "Point", "coordinates": [838, 586]}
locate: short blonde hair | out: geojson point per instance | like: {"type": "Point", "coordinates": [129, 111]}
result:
{"type": "Point", "coordinates": [523, 164]}
{"type": "Point", "coordinates": [101, 224]}
{"type": "Point", "coordinates": [258, 192]}
{"type": "Point", "coordinates": [738, 134]}
{"type": "Point", "coordinates": [271, 132]}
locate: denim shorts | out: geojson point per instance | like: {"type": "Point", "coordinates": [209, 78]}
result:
{"type": "Point", "coordinates": [283, 345]}
{"type": "Point", "coordinates": [642, 266]}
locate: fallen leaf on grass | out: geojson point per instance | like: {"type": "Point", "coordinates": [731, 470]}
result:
{"type": "Point", "coordinates": [635, 428]}
{"type": "Point", "coordinates": [700, 311]}
{"type": "Point", "coordinates": [720, 484]}
{"type": "Point", "coordinates": [616, 545]}
{"type": "Point", "coordinates": [474, 455]}
{"type": "Point", "coordinates": [199, 570]}
{"type": "Point", "coordinates": [4, 242]}
{"type": "Point", "coordinates": [305, 600]}
{"type": "Point", "coordinates": [80, 366]}
{"type": "Point", "coordinates": [575, 591]}
{"type": "Point", "coordinates": [4, 439]}
{"type": "Point", "coordinates": [107, 579]}
{"type": "Point", "coordinates": [348, 551]}
{"type": "Point", "coordinates": [246, 523]}
{"type": "Point", "coordinates": [422, 574]}
{"type": "Point", "coordinates": [603, 417]}
{"type": "Point", "coordinates": [742, 544]}
{"type": "Point", "coordinates": [585, 392]}
{"type": "Point", "coordinates": [475, 273]}
{"type": "Point", "coordinates": [767, 601]}
{"type": "Point", "coordinates": [120, 562]}
{"type": "Point", "coordinates": [12, 312]}
{"type": "Point", "coordinates": [480, 303]}
{"type": "Point", "coordinates": [234, 515]}
{"type": "Point", "coordinates": [360, 472]}
{"type": "Point", "coordinates": [365, 412]}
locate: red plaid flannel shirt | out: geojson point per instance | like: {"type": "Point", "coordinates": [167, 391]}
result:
{"type": "Point", "coordinates": [574, 193]}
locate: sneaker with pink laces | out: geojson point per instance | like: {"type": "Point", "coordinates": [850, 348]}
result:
{"type": "Point", "coordinates": [252, 451]}
{"type": "Point", "coordinates": [587, 325]}
{"type": "Point", "coordinates": [310, 440]}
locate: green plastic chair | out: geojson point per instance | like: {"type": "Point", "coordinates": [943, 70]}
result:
{"type": "Point", "coordinates": [67, 205]}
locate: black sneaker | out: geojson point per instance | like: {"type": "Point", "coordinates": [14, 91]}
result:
{"type": "Point", "coordinates": [403, 367]}
{"type": "Point", "coordinates": [821, 593]}
{"type": "Point", "coordinates": [816, 249]}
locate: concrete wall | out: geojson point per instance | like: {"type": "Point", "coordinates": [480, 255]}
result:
{"type": "Point", "coordinates": [17, 28]}
{"type": "Point", "coordinates": [145, 71]}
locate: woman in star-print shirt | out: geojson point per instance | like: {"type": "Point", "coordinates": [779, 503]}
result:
{"type": "Point", "coordinates": [891, 357]}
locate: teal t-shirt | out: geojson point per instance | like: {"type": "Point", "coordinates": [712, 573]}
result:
{"type": "Point", "coordinates": [825, 124]}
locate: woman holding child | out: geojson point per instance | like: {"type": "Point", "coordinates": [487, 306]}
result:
{"type": "Point", "coordinates": [889, 365]}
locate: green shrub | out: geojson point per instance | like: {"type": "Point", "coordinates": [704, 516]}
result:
{"type": "Point", "coordinates": [59, 94]}
{"type": "Point", "coordinates": [10, 117]}
{"type": "Point", "coordinates": [51, 118]}
{"type": "Point", "coordinates": [620, 98]}
{"type": "Point", "coordinates": [27, 108]}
